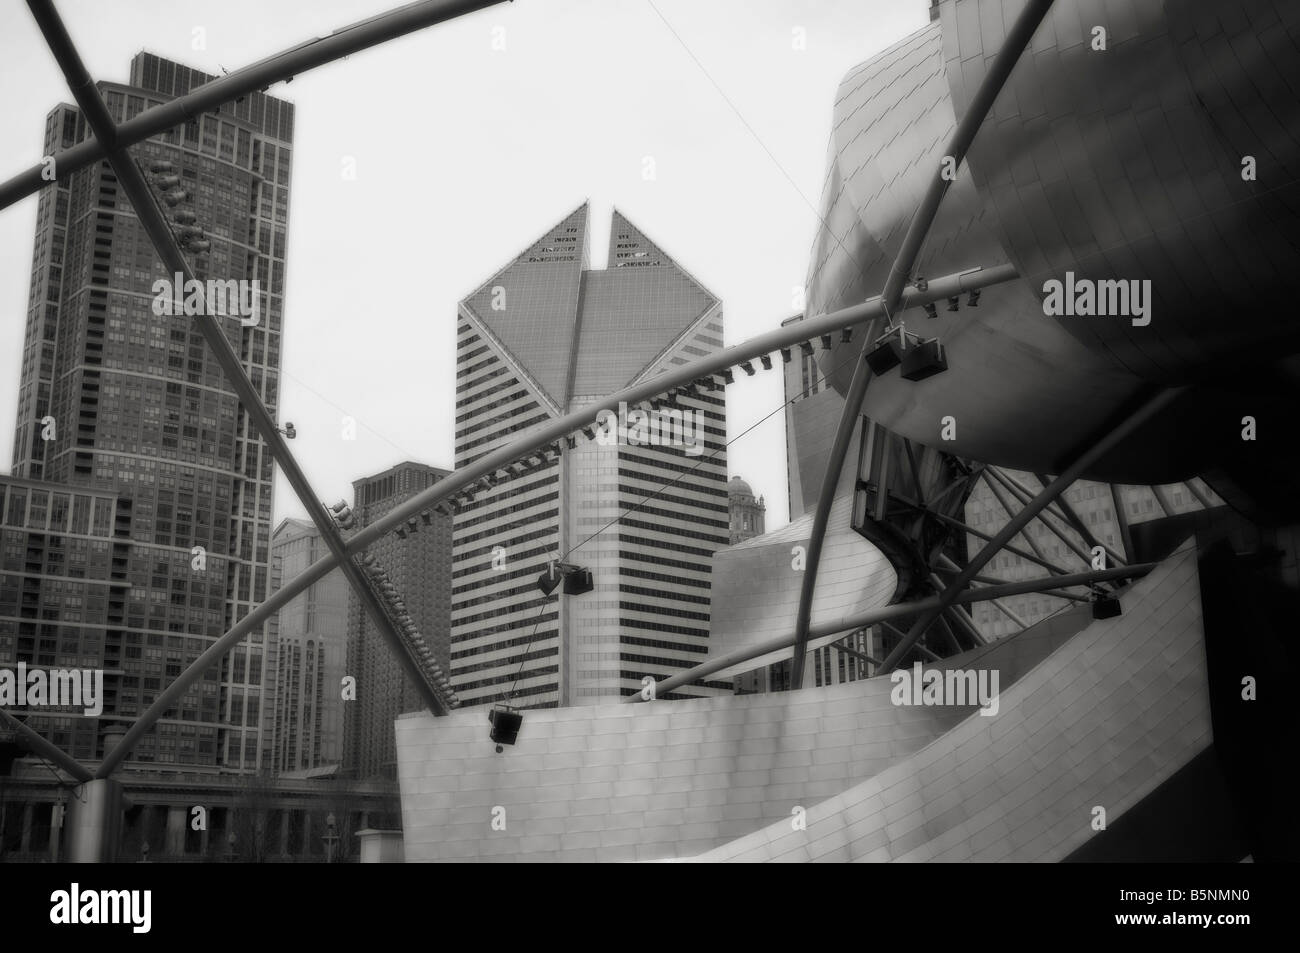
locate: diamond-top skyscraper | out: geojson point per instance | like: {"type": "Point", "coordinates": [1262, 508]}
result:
{"type": "Point", "coordinates": [545, 336]}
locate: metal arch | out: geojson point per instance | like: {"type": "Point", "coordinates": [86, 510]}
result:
{"type": "Point", "coordinates": [999, 70]}
{"type": "Point", "coordinates": [252, 78]}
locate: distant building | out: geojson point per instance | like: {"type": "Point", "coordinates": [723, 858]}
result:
{"type": "Point", "coordinates": [545, 336]}
{"type": "Point", "coordinates": [151, 536]}
{"type": "Point", "coordinates": [748, 515]}
{"type": "Point", "coordinates": [1095, 506]}
{"type": "Point", "coordinates": [420, 568]}
{"type": "Point", "coordinates": [306, 657]}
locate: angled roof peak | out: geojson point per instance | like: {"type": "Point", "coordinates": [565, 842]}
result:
{"type": "Point", "coordinates": [530, 306]}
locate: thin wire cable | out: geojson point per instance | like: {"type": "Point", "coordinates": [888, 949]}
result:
{"type": "Point", "coordinates": [509, 695]}
{"type": "Point", "coordinates": [727, 99]}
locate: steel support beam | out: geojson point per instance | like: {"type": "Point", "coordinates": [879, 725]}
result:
{"type": "Point", "coordinates": [1072, 517]}
{"type": "Point", "coordinates": [883, 614]}
{"type": "Point", "coordinates": [1126, 426]}
{"type": "Point", "coordinates": [959, 618]}
{"type": "Point", "coordinates": [948, 564]}
{"type": "Point", "coordinates": [999, 70]}
{"type": "Point", "coordinates": [257, 76]}
{"type": "Point", "coordinates": [46, 749]}
{"type": "Point", "coordinates": [958, 524]}
{"type": "Point", "coordinates": [994, 488]}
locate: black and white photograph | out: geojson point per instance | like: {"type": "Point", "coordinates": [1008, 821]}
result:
{"type": "Point", "coordinates": [650, 431]}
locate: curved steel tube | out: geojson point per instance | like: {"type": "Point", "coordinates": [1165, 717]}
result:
{"type": "Point", "coordinates": [992, 83]}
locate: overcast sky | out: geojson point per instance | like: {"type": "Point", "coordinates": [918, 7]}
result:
{"type": "Point", "coordinates": [464, 154]}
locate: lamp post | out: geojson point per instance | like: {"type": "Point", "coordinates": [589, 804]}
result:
{"type": "Point", "coordinates": [330, 838]}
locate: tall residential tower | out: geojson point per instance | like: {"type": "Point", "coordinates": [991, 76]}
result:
{"type": "Point", "coordinates": [117, 399]}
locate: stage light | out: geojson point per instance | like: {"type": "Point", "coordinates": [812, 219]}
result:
{"type": "Point", "coordinates": [747, 367]}
{"type": "Point", "coordinates": [954, 302]}
{"type": "Point", "coordinates": [767, 361]}
{"type": "Point", "coordinates": [924, 359]}
{"type": "Point", "coordinates": [888, 351]}
{"type": "Point", "coordinates": [973, 299]}
{"type": "Point", "coordinates": [930, 310]}
{"type": "Point", "coordinates": [550, 578]}
{"type": "Point", "coordinates": [1105, 605]}
{"type": "Point", "coordinates": [577, 581]}
{"type": "Point", "coordinates": [846, 335]}
{"type": "Point", "coordinates": [506, 722]}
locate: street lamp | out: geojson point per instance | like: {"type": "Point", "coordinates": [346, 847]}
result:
{"type": "Point", "coordinates": [331, 838]}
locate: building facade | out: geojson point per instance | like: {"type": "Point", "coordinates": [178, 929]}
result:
{"type": "Point", "coordinates": [643, 509]}
{"type": "Point", "coordinates": [117, 399]}
{"type": "Point", "coordinates": [748, 514]}
{"type": "Point", "coordinates": [1095, 505]}
{"type": "Point", "coordinates": [419, 565]}
{"type": "Point", "coordinates": [306, 657]}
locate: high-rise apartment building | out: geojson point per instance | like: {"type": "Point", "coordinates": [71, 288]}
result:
{"type": "Point", "coordinates": [116, 399]}
{"type": "Point", "coordinates": [419, 566]}
{"type": "Point", "coordinates": [643, 509]}
{"type": "Point", "coordinates": [306, 656]}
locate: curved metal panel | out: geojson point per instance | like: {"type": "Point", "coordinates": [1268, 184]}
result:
{"type": "Point", "coordinates": [1126, 163]}
{"type": "Point", "coordinates": [1123, 164]}
{"type": "Point", "coordinates": [755, 587]}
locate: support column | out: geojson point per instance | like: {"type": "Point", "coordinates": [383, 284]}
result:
{"type": "Point", "coordinates": [29, 818]}
{"type": "Point", "coordinates": [175, 846]}
{"type": "Point", "coordinates": [94, 822]}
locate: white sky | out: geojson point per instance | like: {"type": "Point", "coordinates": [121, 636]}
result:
{"type": "Point", "coordinates": [464, 155]}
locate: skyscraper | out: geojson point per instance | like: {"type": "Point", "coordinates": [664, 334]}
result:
{"type": "Point", "coordinates": [118, 399]}
{"type": "Point", "coordinates": [419, 566]}
{"type": "Point", "coordinates": [306, 657]}
{"type": "Point", "coordinates": [545, 336]}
